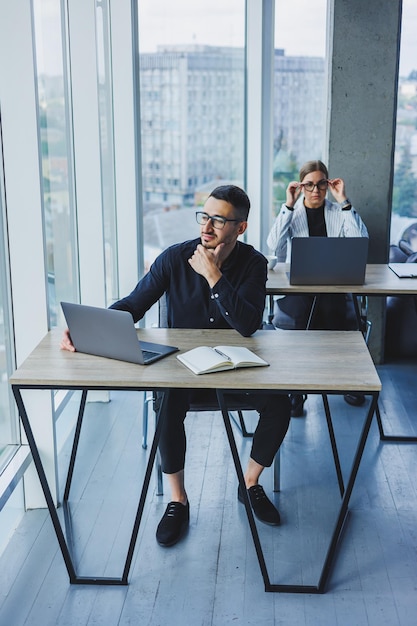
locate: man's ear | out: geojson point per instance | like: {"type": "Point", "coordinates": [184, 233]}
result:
{"type": "Point", "coordinates": [242, 227]}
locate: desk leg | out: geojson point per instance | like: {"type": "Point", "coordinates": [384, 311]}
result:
{"type": "Point", "coordinates": [393, 438]}
{"type": "Point", "coordinates": [333, 443]}
{"type": "Point", "coordinates": [345, 502]}
{"type": "Point", "coordinates": [249, 512]}
{"type": "Point", "coordinates": [239, 471]}
{"type": "Point", "coordinates": [152, 454]}
{"type": "Point", "coordinates": [313, 589]}
{"type": "Point", "coordinates": [63, 543]}
{"type": "Point", "coordinates": [44, 483]}
{"type": "Point", "coordinates": [75, 444]}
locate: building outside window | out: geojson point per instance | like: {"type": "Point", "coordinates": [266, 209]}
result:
{"type": "Point", "coordinates": [300, 95]}
{"type": "Point", "coordinates": [192, 82]}
{"type": "Point", "coordinates": [193, 109]}
{"type": "Point", "coordinates": [404, 201]}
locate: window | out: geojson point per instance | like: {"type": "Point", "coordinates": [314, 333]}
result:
{"type": "Point", "coordinates": [404, 201]}
{"type": "Point", "coordinates": [8, 421]}
{"type": "Point", "coordinates": [299, 90]}
{"type": "Point", "coordinates": [105, 82]}
{"type": "Point", "coordinates": [56, 159]}
{"type": "Point", "coordinates": [189, 51]}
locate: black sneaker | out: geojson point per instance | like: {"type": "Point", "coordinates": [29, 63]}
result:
{"type": "Point", "coordinates": [262, 507]}
{"type": "Point", "coordinates": [297, 404]}
{"type": "Point", "coordinates": [173, 524]}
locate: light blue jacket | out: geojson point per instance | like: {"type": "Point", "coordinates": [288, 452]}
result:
{"type": "Point", "coordinates": [289, 224]}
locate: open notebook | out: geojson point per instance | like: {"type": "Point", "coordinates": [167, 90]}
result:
{"type": "Point", "coordinates": [206, 359]}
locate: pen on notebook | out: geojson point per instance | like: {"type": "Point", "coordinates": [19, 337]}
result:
{"type": "Point", "coordinates": [222, 354]}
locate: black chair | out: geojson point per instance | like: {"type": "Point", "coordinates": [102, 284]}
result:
{"type": "Point", "coordinates": [401, 312]}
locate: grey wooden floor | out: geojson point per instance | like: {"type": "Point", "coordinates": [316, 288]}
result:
{"type": "Point", "coordinates": [212, 577]}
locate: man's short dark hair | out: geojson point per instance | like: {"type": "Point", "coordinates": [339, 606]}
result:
{"type": "Point", "coordinates": [234, 196]}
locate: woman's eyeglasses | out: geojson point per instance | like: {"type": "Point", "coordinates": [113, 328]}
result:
{"type": "Point", "coordinates": [216, 220]}
{"type": "Point", "coordinates": [321, 185]}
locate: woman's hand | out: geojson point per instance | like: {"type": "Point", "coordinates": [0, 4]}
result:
{"type": "Point", "coordinates": [337, 187]}
{"type": "Point", "coordinates": [293, 193]}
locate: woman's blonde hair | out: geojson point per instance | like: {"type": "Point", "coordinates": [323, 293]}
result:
{"type": "Point", "coordinates": [313, 166]}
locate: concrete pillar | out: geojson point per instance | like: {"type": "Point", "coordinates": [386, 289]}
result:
{"type": "Point", "coordinates": [364, 41]}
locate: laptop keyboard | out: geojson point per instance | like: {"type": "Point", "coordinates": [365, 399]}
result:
{"type": "Point", "coordinates": [148, 355]}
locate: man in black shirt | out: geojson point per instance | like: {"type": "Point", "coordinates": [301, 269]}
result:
{"type": "Point", "coordinates": [215, 281]}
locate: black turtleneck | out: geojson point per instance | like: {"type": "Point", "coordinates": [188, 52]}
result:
{"type": "Point", "coordinates": [316, 223]}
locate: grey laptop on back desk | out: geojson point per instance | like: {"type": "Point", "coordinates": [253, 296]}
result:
{"type": "Point", "coordinates": [328, 260]}
{"type": "Point", "coordinates": [110, 333]}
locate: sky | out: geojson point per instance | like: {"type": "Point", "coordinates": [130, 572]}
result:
{"type": "Point", "coordinates": [300, 27]}
{"type": "Point", "coordinates": [221, 22]}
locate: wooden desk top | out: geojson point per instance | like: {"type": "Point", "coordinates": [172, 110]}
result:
{"type": "Point", "coordinates": [379, 280]}
{"type": "Point", "coordinates": [299, 360]}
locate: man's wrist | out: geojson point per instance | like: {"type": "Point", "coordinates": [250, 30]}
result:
{"type": "Point", "coordinates": [346, 205]}
{"type": "Point", "coordinates": [214, 278]}
{"type": "Point", "coordinates": [290, 208]}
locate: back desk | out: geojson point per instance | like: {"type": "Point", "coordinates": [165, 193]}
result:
{"type": "Point", "coordinates": [380, 280]}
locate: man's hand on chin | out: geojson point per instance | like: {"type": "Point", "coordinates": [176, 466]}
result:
{"type": "Point", "coordinates": [205, 262]}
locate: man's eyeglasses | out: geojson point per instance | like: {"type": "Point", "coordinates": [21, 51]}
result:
{"type": "Point", "coordinates": [218, 221]}
{"type": "Point", "coordinates": [321, 185]}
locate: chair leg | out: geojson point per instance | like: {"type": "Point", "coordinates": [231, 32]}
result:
{"type": "Point", "coordinates": [145, 418]}
{"type": "Point", "coordinates": [241, 423]}
{"type": "Point", "coordinates": [147, 399]}
{"type": "Point", "coordinates": [158, 468]}
{"type": "Point", "coordinates": [277, 471]}
{"type": "Point", "coordinates": [159, 478]}
{"type": "Point", "coordinates": [277, 461]}
{"type": "Point", "coordinates": [145, 422]}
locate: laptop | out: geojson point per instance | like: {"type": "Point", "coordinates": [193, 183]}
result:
{"type": "Point", "coordinates": [328, 260]}
{"type": "Point", "coordinates": [404, 270]}
{"type": "Point", "coordinates": [110, 333]}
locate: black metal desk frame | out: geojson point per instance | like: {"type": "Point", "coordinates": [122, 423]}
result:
{"type": "Point", "coordinates": [364, 327]}
{"type": "Point", "coordinates": [346, 493]}
{"type": "Point", "coordinates": [391, 438]}
{"type": "Point", "coordinates": [65, 541]}
{"type": "Point", "coordinates": [65, 544]}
